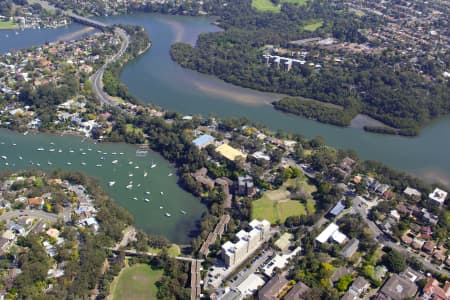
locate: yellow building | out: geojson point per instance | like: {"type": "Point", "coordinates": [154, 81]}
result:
{"type": "Point", "coordinates": [229, 152]}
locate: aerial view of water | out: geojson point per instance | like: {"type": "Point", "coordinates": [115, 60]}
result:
{"type": "Point", "coordinates": [155, 78]}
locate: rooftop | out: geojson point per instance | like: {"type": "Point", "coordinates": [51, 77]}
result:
{"type": "Point", "coordinates": [438, 195]}
{"type": "Point", "coordinates": [229, 152]}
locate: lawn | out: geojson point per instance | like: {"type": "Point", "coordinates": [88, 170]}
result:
{"type": "Point", "coordinates": [276, 206]}
{"type": "Point", "coordinates": [8, 25]}
{"type": "Point", "coordinates": [136, 283]}
{"type": "Point", "coordinates": [268, 6]}
{"type": "Point", "coordinates": [313, 25]}
{"type": "Point", "coordinates": [131, 128]}
{"type": "Point", "coordinates": [173, 250]}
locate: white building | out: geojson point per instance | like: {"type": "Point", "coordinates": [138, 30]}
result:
{"type": "Point", "coordinates": [331, 232]}
{"type": "Point", "coordinates": [438, 196]}
{"type": "Point", "coordinates": [235, 253]}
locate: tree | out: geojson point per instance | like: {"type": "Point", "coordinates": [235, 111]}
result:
{"type": "Point", "coordinates": [395, 261]}
{"type": "Point", "coordinates": [344, 282]}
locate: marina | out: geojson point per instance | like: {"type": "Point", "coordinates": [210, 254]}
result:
{"type": "Point", "coordinates": [126, 190]}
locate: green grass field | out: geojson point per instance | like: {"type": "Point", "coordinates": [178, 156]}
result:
{"type": "Point", "coordinates": [8, 25]}
{"type": "Point", "coordinates": [136, 283]}
{"type": "Point", "coordinates": [276, 206]}
{"type": "Point", "coordinates": [174, 250]}
{"type": "Point", "coordinates": [313, 25]}
{"type": "Point", "coordinates": [268, 6]}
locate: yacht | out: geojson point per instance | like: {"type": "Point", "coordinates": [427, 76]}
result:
{"type": "Point", "coordinates": [121, 153]}
{"type": "Point", "coordinates": [51, 150]}
{"type": "Point", "coordinates": [14, 144]}
{"type": "Point", "coordinates": [69, 163]}
{"type": "Point", "coordinates": [130, 162]}
{"type": "Point", "coordinates": [168, 215]}
{"type": "Point", "coordinates": [162, 193]}
{"type": "Point", "coordinates": [84, 153]}
{"type": "Point", "coordinates": [25, 133]}
{"type": "Point", "coordinates": [170, 174]}
{"type": "Point", "coordinates": [153, 165]}
{"type": "Point", "coordinates": [115, 161]}
{"type": "Point", "coordinates": [89, 149]}
{"type": "Point", "coordinates": [139, 185]}
{"type": "Point", "coordinates": [98, 165]}
{"type": "Point", "coordinates": [136, 167]}
{"type": "Point", "coordinates": [148, 193]}
{"type": "Point", "coordinates": [20, 157]}
{"type": "Point", "coordinates": [71, 151]}
{"type": "Point", "coordinates": [145, 174]}
{"type": "Point", "coordinates": [147, 200]}
{"type": "Point", "coordinates": [130, 175]}
{"type": "Point", "coordinates": [59, 150]}
{"type": "Point", "coordinates": [161, 207]}
{"type": "Point", "coordinates": [113, 153]}
{"type": "Point", "coordinates": [102, 158]}
{"type": "Point", "coordinates": [111, 183]}
{"type": "Point", "coordinates": [134, 198]}
{"type": "Point", "coordinates": [40, 149]}
{"type": "Point", "coordinates": [38, 164]}
{"type": "Point", "coordinates": [130, 186]}
{"type": "Point", "coordinates": [83, 163]}
{"type": "Point", "coordinates": [3, 157]}
{"type": "Point", "coordinates": [183, 212]}
{"type": "Point", "coordinates": [49, 163]}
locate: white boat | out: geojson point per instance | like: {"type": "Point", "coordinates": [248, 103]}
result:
{"type": "Point", "coordinates": [148, 193]}
{"type": "Point", "coordinates": [111, 183]}
{"type": "Point", "coordinates": [115, 161]}
{"type": "Point", "coordinates": [121, 153]}
{"type": "Point", "coordinates": [102, 158]}
{"type": "Point", "coordinates": [69, 163]}
{"type": "Point", "coordinates": [71, 151]}
{"type": "Point", "coordinates": [84, 153]}
{"type": "Point", "coordinates": [136, 167]}
{"type": "Point", "coordinates": [147, 200]}
{"type": "Point", "coordinates": [20, 157]}
{"type": "Point", "coordinates": [89, 149]}
{"type": "Point", "coordinates": [161, 207]}
{"type": "Point", "coordinates": [139, 185]}
{"type": "Point", "coordinates": [130, 175]}
{"type": "Point", "coordinates": [134, 198]}
{"type": "Point", "coordinates": [6, 164]}
{"type": "Point", "coordinates": [130, 186]}
{"type": "Point", "coordinates": [83, 163]}
{"type": "Point", "coordinates": [40, 149]}
{"type": "Point", "coordinates": [168, 215]}
{"type": "Point", "coordinates": [145, 174]}
{"type": "Point", "coordinates": [162, 193]}
{"type": "Point", "coordinates": [113, 153]}
{"type": "Point", "coordinates": [52, 143]}
{"type": "Point", "coordinates": [98, 151]}
{"type": "Point", "coordinates": [153, 165]}
{"type": "Point", "coordinates": [25, 133]}
{"type": "Point", "coordinates": [98, 165]}
{"type": "Point", "coordinates": [183, 212]}
{"type": "Point", "coordinates": [14, 144]}
{"type": "Point", "coordinates": [51, 150]}
{"type": "Point", "coordinates": [130, 162]}
{"type": "Point", "coordinates": [59, 150]}
{"type": "Point", "coordinates": [38, 164]}
{"type": "Point", "coordinates": [3, 157]}
{"type": "Point", "coordinates": [49, 163]}
{"type": "Point", "coordinates": [170, 174]}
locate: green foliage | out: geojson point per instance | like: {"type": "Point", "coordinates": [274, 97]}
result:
{"type": "Point", "coordinates": [395, 261]}
{"type": "Point", "coordinates": [312, 109]}
{"type": "Point", "coordinates": [344, 282]}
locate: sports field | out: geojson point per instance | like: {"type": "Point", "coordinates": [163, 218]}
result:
{"type": "Point", "coordinates": [137, 282]}
{"type": "Point", "coordinates": [8, 25]}
{"type": "Point", "coordinates": [269, 6]}
{"type": "Point", "coordinates": [276, 206]}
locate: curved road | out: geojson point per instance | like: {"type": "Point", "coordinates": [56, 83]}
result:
{"type": "Point", "coordinates": [97, 77]}
{"type": "Point", "coordinates": [29, 213]}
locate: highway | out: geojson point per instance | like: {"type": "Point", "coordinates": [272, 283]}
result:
{"type": "Point", "coordinates": [97, 77]}
{"type": "Point", "coordinates": [29, 213]}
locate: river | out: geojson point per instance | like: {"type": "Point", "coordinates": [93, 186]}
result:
{"type": "Point", "coordinates": [154, 77]}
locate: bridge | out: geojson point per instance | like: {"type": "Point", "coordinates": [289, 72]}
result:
{"type": "Point", "coordinates": [88, 22]}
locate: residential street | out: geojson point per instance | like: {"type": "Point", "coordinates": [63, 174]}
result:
{"type": "Point", "coordinates": [29, 213]}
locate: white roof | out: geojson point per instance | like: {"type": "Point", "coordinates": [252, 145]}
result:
{"type": "Point", "coordinates": [412, 192]}
{"type": "Point", "coordinates": [327, 233]}
{"type": "Point", "coordinates": [280, 261]}
{"type": "Point", "coordinates": [438, 195]}
{"type": "Point", "coordinates": [251, 284]}
{"type": "Point", "coordinates": [339, 237]}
